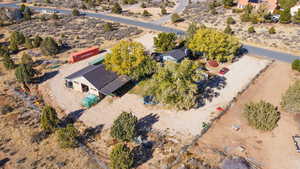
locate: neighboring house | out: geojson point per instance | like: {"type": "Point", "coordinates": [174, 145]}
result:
{"type": "Point", "coordinates": [270, 5]}
{"type": "Point", "coordinates": [295, 9]}
{"type": "Point", "coordinates": [176, 55]}
{"type": "Point", "coordinates": [95, 79]}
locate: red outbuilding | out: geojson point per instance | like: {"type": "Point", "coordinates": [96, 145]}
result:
{"type": "Point", "coordinates": [77, 56]}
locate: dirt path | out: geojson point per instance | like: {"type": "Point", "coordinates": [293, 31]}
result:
{"type": "Point", "coordinates": [273, 150]}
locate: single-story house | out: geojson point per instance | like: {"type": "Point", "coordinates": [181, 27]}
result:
{"type": "Point", "coordinates": [295, 9]}
{"type": "Point", "coordinates": [176, 55]}
{"type": "Point", "coordinates": [271, 5]}
{"type": "Point", "coordinates": [95, 79]}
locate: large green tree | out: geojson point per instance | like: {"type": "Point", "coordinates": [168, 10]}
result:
{"type": "Point", "coordinates": [49, 119]}
{"type": "Point", "coordinates": [165, 42]}
{"type": "Point", "coordinates": [214, 44]}
{"type": "Point", "coordinates": [124, 127]}
{"type": "Point", "coordinates": [49, 47]}
{"type": "Point", "coordinates": [129, 58]}
{"type": "Point", "coordinates": [285, 4]}
{"type": "Point", "coordinates": [8, 62]}
{"type": "Point", "coordinates": [24, 74]}
{"type": "Point", "coordinates": [285, 16]}
{"type": "Point", "coordinates": [17, 37]}
{"type": "Point", "coordinates": [121, 157]}
{"type": "Point", "coordinates": [174, 84]}
{"type": "Point", "coordinates": [192, 29]}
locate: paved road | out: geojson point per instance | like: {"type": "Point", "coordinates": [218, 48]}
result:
{"type": "Point", "coordinates": [180, 6]}
{"type": "Point", "coordinates": [251, 49]}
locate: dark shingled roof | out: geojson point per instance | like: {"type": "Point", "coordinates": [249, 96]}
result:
{"type": "Point", "coordinates": [178, 54]}
{"type": "Point", "coordinates": [103, 80]}
{"type": "Point", "coordinates": [114, 85]}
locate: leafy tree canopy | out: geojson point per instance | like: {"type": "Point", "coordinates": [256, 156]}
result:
{"type": "Point", "coordinates": [165, 42]}
{"type": "Point", "coordinates": [17, 37]}
{"type": "Point", "coordinates": [124, 127]}
{"type": "Point", "coordinates": [129, 58]}
{"type": "Point", "coordinates": [285, 16]}
{"type": "Point", "coordinates": [49, 119]}
{"type": "Point", "coordinates": [214, 44]}
{"type": "Point", "coordinates": [174, 84]}
{"type": "Point", "coordinates": [24, 73]}
{"type": "Point", "coordinates": [287, 4]}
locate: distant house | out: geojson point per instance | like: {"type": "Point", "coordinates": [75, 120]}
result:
{"type": "Point", "coordinates": [176, 55]}
{"type": "Point", "coordinates": [271, 5]}
{"type": "Point", "coordinates": [95, 79]}
{"type": "Point", "coordinates": [295, 9]}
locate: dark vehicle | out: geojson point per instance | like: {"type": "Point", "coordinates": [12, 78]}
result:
{"type": "Point", "coordinates": [223, 71]}
{"type": "Point", "coordinates": [158, 57]}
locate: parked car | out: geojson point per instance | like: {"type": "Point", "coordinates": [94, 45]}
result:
{"type": "Point", "coordinates": [223, 71]}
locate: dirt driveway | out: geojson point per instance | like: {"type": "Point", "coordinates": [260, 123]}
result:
{"type": "Point", "coordinates": [273, 150]}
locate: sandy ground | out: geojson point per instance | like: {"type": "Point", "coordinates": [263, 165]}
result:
{"type": "Point", "coordinates": [147, 41]}
{"type": "Point", "coordinates": [273, 150]}
{"type": "Point", "coordinates": [187, 122]}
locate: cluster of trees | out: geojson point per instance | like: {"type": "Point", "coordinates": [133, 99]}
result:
{"type": "Point", "coordinates": [48, 45]}
{"type": "Point", "coordinates": [215, 45]}
{"type": "Point", "coordinates": [165, 42]}
{"type": "Point", "coordinates": [123, 129]}
{"type": "Point", "coordinates": [262, 115]}
{"type": "Point", "coordinates": [129, 58]}
{"type": "Point", "coordinates": [174, 84]}
{"type": "Point", "coordinates": [67, 136]}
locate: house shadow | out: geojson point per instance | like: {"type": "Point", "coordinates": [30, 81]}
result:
{"type": "Point", "coordinates": [45, 77]}
{"type": "Point", "coordinates": [89, 134]}
{"type": "Point", "coordinates": [124, 89]}
{"type": "Point", "coordinates": [210, 89]}
{"type": "Point", "coordinates": [72, 117]}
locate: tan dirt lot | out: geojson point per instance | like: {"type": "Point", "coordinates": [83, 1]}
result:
{"type": "Point", "coordinates": [273, 150]}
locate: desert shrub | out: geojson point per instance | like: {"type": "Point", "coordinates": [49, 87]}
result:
{"type": "Point", "coordinates": [49, 47]}
{"type": "Point", "coordinates": [175, 18]}
{"type": "Point", "coordinates": [230, 21]}
{"type": "Point", "coordinates": [251, 29]}
{"type": "Point", "coordinates": [163, 11]}
{"type": "Point", "coordinates": [143, 5]}
{"type": "Point", "coordinates": [67, 136]}
{"type": "Point", "coordinates": [124, 127]}
{"type": "Point", "coordinates": [146, 13]}
{"type": "Point", "coordinates": [290, 101]}
{"type": "Point", "coordinates": [6, 109]}
{"type": "Point", "coordinates": [296, 65]}
{"type": "Point", "coordinates": [121, 157]}
{"type": "Point", "coordinates": [116, 8]}
{"type": "Point", "coordinates": [107, 27]}
{"type": "Point", "coordinates": [272, 30]}
{"type": "Point", "coordinates": [262, 115]}
{"type": "Point", "coordinates": [75, 12]}
{"type": "Point", "coordinates": [228, 30]}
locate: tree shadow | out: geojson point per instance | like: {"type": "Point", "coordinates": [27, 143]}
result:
{"type": "Point", "coordinates": [145, 124]}
{"type": "Point", "coordinates": [4, 161]}
{"type": "Point", "coordinates": [72, 117]}
{"type": "Point", "coordinates": [45, 77]}
{"type": "Point", "coordinates": [210, 88]}
{"type": "Point", "coordinates": [89, 134]}
{"type": "Point", "coordinates": [142, 153]}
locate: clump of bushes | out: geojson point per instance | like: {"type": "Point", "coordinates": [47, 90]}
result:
{"type": "Point", "coordinates": [296, 65]}
{"type": "Point", "coordinates": [262, 115]}
{"type": "Point", "coordinates": [67, 137]}
{"type": "Point", "coordinates": [121, 157]}
{"type": "Point", "coordinates": [290, 100]}
{"type": "Point", "coordinates": [124, 127]}
{"type": "Point", "coordinates": [175, 18]}
{"type": "Point", "coordinates": [230, 21]}
{"type": "Point", "coordinates": [272, 30]}
{"type": "Point", "coordinates": [251, 29]}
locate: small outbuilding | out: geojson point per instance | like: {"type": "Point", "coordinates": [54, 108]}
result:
{"type": "Point", "coordinates": [95, 79]}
